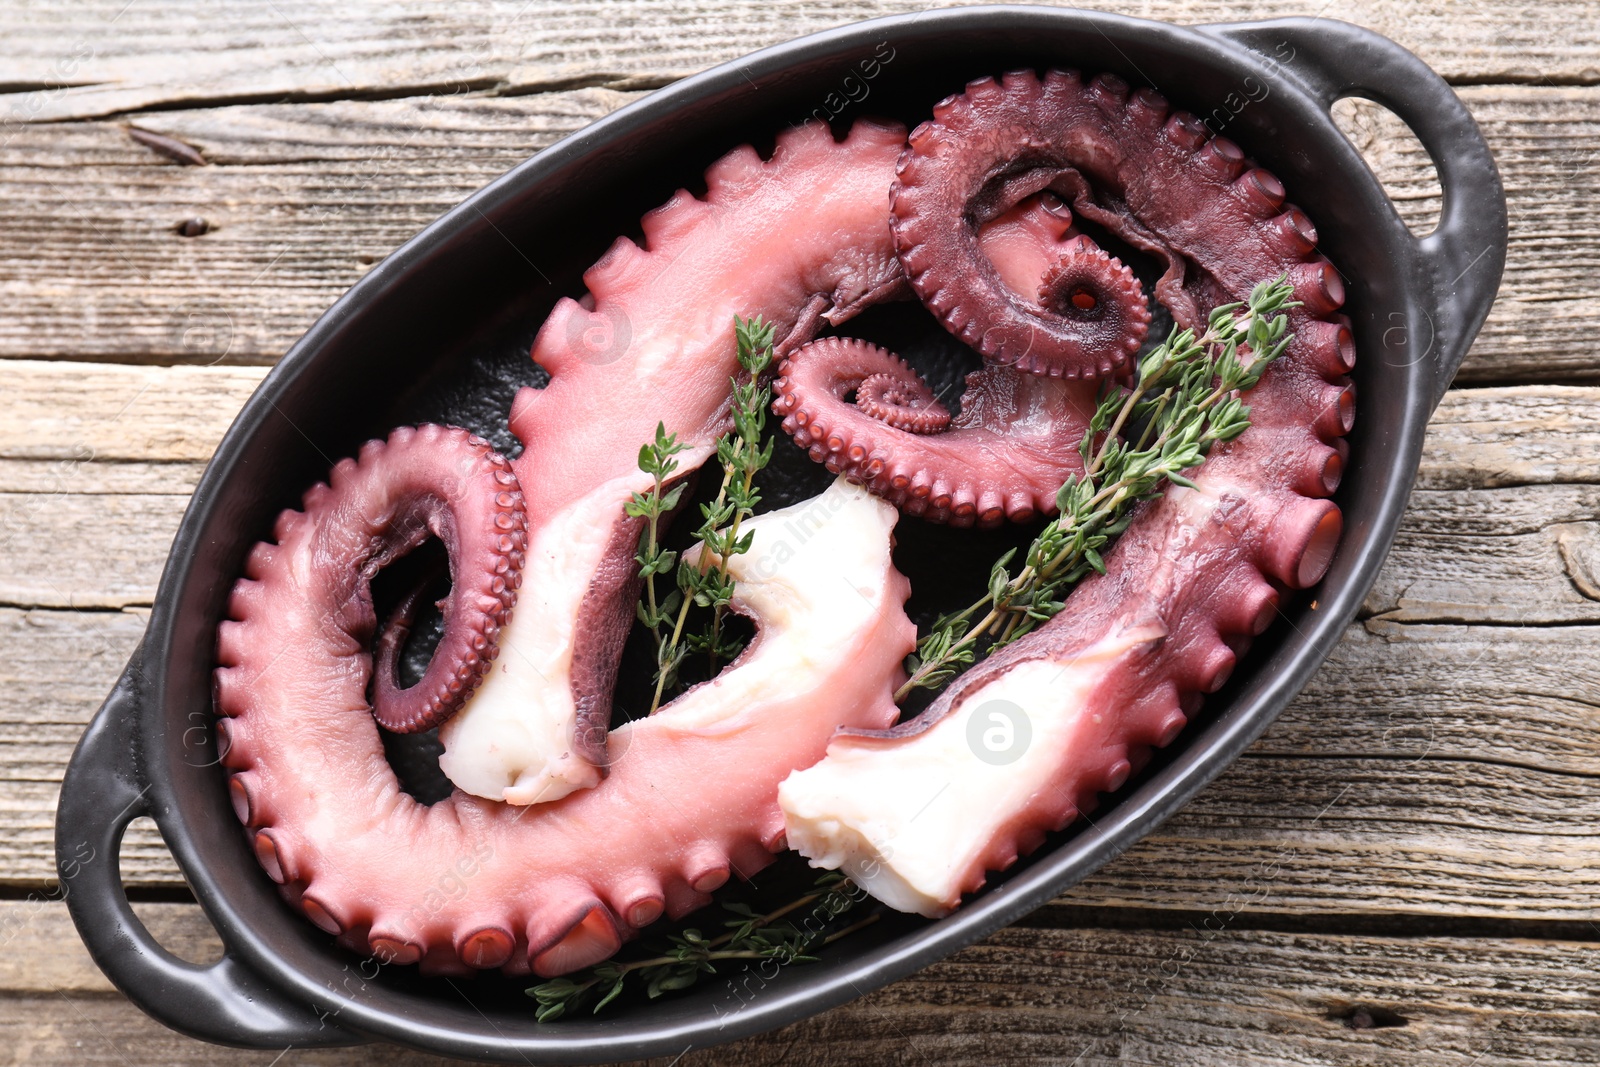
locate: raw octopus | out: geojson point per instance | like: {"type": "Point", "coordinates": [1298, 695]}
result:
{"type": "Point", "coordinates": [541, 551]}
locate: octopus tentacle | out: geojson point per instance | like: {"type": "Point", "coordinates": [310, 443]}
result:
{"type": "Point", "coordinates": [946, 187]}
{"type": "Point", "coordinates": [651, 340]}
{"type": "Point", "coordinates": [1016, 439]}
{"type": "Point", "coordinates": [919, 813]}
{"type": "Point", "coordinates": [1006, 455]}
{"type": "Point", "coordinates": [390, 645]}
{"type": "Point", "coordinates": [692, 794]}
{"type": "Point", "coordinates": [432, 481]}
{"type": "Point", "coordinates": [687, 798]}
{"type": "Point", "coordinates": [325, 814]}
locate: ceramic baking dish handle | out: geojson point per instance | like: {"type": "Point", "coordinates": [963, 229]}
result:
{"type": "Point", "coordinates": [225, 1002]}
{"type": "Point", "coordinates": [1465, 255]}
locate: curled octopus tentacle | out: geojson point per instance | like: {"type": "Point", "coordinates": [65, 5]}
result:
{"type": "Point", "coordinates": [693, 794]}
{"type": "Point", "coordinates": [432, 481]}
{"type": "Point", "coordinates": [1015, 440]}
{"type": "Point", "coordinates": [1087, 320]}
{"type": "Point", "coordinates": [1198, 574]}
{"type": "Point", "coordinates": [690, 798]}
{"type": "Point", "coordinates": [1005, 456]}
{"type": "Point", "coordinates": [899, 398]}
{"type": "Point", "coordinates": [1101, 296]}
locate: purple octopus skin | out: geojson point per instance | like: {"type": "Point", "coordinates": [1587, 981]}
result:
{"type": "Point", "coordinates": [442, 482]}
{"type": "Point", "coordinates": [1004, 456]}
{"type": "Point", "coordinates": [976, 159]}
{"type": "Point", "coordinates": [1198, 573]}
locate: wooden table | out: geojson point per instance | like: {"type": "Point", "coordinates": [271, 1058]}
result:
{"type": "Point", "coordinates": [1405, 869]}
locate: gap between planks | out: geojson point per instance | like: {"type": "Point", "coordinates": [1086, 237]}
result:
{"type": "Point", "coordinates": [113, 57]}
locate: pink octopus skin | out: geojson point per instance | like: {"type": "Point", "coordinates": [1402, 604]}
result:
{"type": "Point", "coordinates": [443, 482]}
{"type": "Point", "coordinates": [576, 921]}
{"type": "Point", "coordinates": [1199, 573]}
{"type": "Point", "coordinates": [800, 238]}
{"type": "Point", "coordinates": [952, 179]}
{"type": "Point", "coordinates": [472, 883]}
{"type": "Point", "coordinates": [1004, 456]}
{"type": "Point", "coordinates": [469, 883]}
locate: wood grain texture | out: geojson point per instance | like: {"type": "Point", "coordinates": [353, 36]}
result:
{"type": "Point", "coordinates": [106, 57]}
{"type": "Point", "coordinates": [1538, 328]}
{"type": "Point", "coordinates": [1529, 555]}
{"type": "Point", "coordinates": [303, 199]}
{"type": "Point", "coordinates": [1207, 996]}
{"type": "Point", "coordinates": [300, 202]}
{"type": "Point", "coordinates": [41, 953]}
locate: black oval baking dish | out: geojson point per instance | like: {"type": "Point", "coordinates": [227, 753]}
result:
{"type": "Point", "coordinates": [440, 322]}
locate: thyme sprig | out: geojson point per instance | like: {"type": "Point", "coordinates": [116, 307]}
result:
{"type": "Point", "coordinates": [704, 581]}
{"type": "Point", "coordinates": [1185, 400]}
{"type": "Point", "coordinates": [656, 460]}
{"type": "Point", "coordinates": [688, 955]}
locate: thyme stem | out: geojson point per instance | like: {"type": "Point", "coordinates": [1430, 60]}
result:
{"type": "Point", "coordinates": [656, 459]}
{"type": "Point", "coordinates": [690, 954]}
{"type": "Point", "coordinates": [705, 582]}
{"type": "Point", "coordinates": [1187, 396]}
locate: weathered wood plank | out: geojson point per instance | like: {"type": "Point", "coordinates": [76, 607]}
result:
{"type": "Point", "coordinates": [94, 416]}
{"type": "Point", "coordinates": [1528, 555]}
{"type": "Point", "coordinates": [82, 550]}
{"type": "Point", "coordinates": [1551, 286]}
{"type": "Point", "coordinates": [40, 951]}
{"type": "Point", "coordinates": [76, 428]}
{"type": "Point", "coordinates": [1527, 435]}
{"type": "Point", "coordinates": [95, 59]}
{"type": "Point", "coordinates": [1214, 995]}
{"type": "Point", "coordinates": [1389, 785]}
{"type": "Point", "coordinates": [305, 198]}
{"type": "Point", "coordinates": [92, 487]}
{"type": "Point", "coordinates": [59, 666]}
{"type": "Point", "coordinates": [288, 236]}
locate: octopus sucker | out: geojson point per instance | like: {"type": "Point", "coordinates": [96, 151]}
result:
{"type": "Point", "coordinates": [565, 836]}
